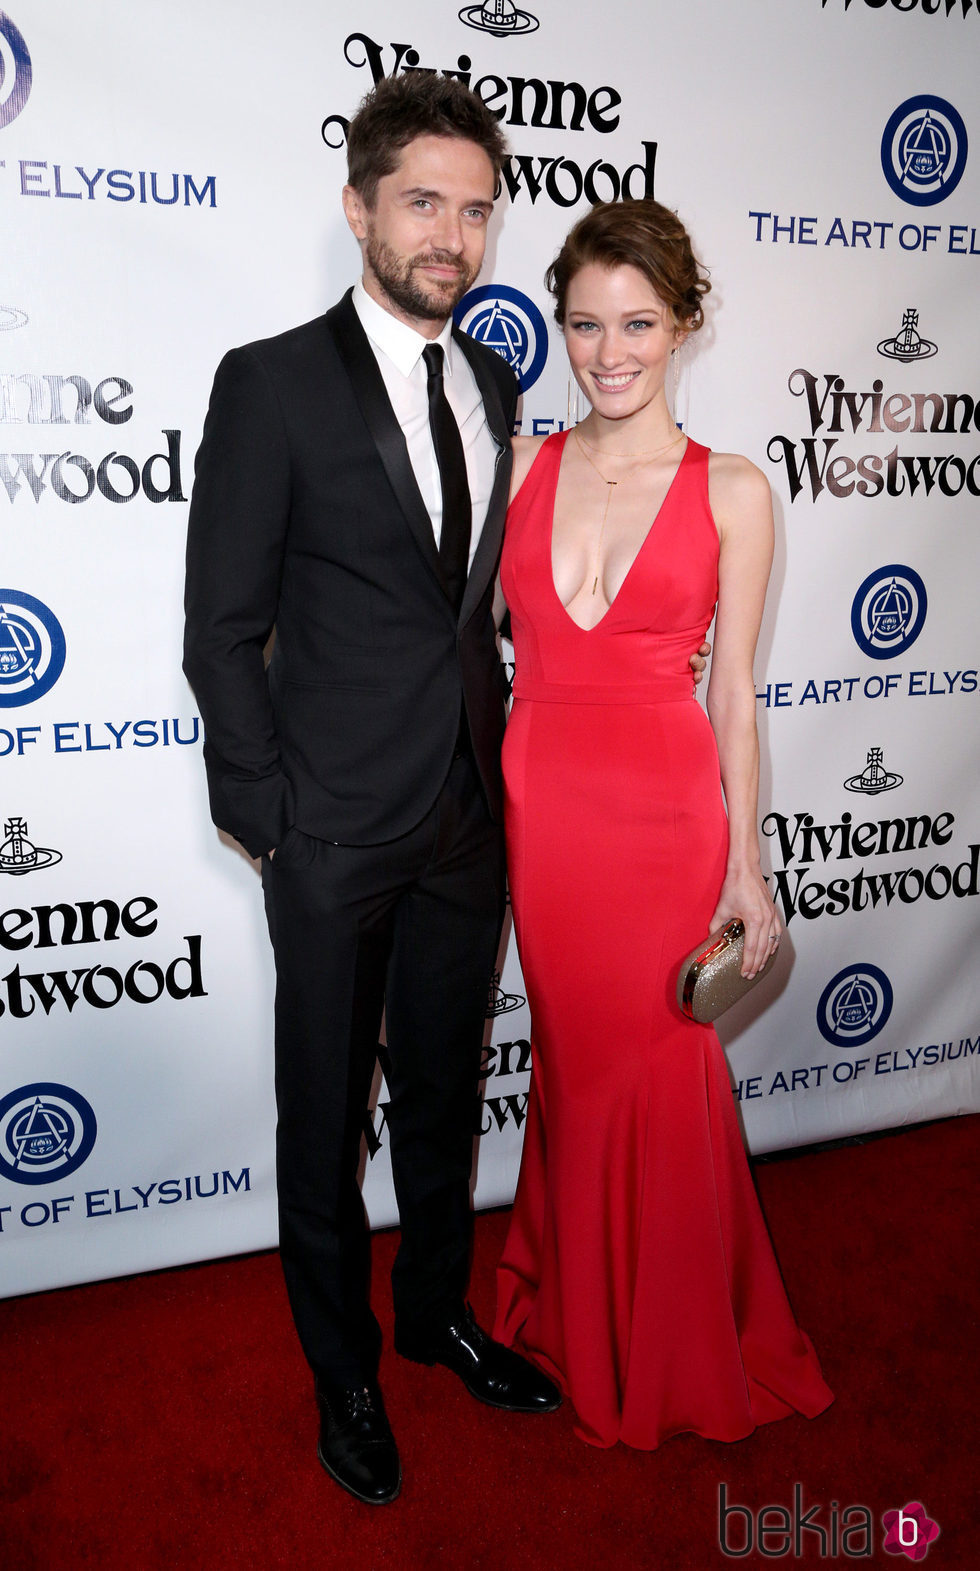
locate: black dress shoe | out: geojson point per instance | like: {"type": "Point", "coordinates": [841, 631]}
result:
{"type": "Point", "coordinates": [488, 1370]}
{"type": "Point", "coordinates": [356, 1444]}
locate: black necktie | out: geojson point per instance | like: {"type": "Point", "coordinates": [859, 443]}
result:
{"type": "Point", "coordinates": [454, 539]}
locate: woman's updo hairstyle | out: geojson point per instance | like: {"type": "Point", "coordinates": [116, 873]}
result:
{"type": "Point", "coordinates": [641, 234]}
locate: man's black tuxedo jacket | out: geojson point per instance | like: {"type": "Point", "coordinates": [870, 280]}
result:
{"type": "Point", "coordinates": [306, 516]}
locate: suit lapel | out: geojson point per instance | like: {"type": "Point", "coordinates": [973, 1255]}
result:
{"type": "Point", "coordinates": [369, 390]}
{"type": "Point", "coordinates": [487, 551]}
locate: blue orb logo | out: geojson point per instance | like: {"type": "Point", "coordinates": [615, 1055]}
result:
{"type": "Point", "coordinates": [15, 71]}
{"type": "Point", "coordinates": [923, 150]}
{"type": "Point", "coordinates": [889, 611]}
{"type": "Point", "coordinates": [32, 649]}
{"type": "Point", "coordinates": [854, 1006]}
{"type": "Point", "coordinates": [46, 1131]}
{"type": "Point", "coordinates": [507, 321]}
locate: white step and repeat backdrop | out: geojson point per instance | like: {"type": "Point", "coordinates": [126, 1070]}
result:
{"type": "Point", "coordinates": [170, 180]}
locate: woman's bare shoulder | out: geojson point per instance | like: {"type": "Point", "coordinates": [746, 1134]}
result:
{"type": "Point", "coordinates": [738, 490]}
{"type": "Point", "coordinates": [732, 474]}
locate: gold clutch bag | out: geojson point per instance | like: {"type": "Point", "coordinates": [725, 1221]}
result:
{"type": "Point", "coordinates": [710, 979]}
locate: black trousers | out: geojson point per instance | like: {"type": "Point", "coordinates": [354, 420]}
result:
{"type": "Point", "coordinates": [410, 927]}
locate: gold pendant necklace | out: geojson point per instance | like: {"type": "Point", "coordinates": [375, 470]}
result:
{"type": "Point", "coordinates": [646, 457]}
{"type": "Point", "coordinates": [610, 484]}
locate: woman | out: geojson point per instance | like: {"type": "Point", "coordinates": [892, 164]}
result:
{"type": "Point", "coordinates": [637, 1272]}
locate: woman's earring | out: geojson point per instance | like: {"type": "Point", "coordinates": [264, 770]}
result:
{"type": "Point", "coordinates": [680, 404]}
{"type": "Point", "coordinates": [578, 404]}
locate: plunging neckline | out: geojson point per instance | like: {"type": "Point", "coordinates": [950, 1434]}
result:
{"type": "Point", "coordinates": [639, 551]}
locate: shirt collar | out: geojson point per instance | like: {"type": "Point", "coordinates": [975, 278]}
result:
{"type": "Point", "coordinates": [401, 343]}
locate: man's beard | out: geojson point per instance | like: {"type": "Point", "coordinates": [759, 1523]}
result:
{"type": "Point", "coordinates": [396, 276]}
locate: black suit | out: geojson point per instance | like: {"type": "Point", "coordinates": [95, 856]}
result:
{"type": "Point", "coordinates": [387, 881]}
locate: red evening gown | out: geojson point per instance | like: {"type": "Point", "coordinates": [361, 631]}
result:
{"type": "Point", "coordinates": [638, 1272]}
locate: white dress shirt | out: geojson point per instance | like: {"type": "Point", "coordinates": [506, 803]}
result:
{"type": "Point", "coordinates": [398, 351]}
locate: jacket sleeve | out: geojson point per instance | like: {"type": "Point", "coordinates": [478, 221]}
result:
{"type": "Point", "coordinates": [236, 539]}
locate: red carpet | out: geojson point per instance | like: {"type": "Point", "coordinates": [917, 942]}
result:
{"type": "Point", "coordinates": [166, 1421]}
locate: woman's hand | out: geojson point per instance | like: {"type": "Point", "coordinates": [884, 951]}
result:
{"type": "Point", "coordinates": [744, 894]}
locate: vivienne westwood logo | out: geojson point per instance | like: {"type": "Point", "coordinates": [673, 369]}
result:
{"type": "Point", "coordinates": [10, 318]}
{"type": "Point", "coordinates": [907, 345]}
{"type": "Point", "coordinates": [499, 1002]}
{"type": "Point", "coordinates": [18, 855]}
{"type": "Point", "coordinates": [873, 778]}
{"type": "Point", "coordinates": [501, 18]}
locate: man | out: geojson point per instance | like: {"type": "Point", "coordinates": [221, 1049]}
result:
{"type": "Point", "coordinates": [350, 492]}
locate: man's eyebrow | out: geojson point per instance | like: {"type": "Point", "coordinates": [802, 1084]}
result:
{"type": "Point", "coordinates": [413, 193]}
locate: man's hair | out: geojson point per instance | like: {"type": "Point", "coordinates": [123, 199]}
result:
{"type": "Point", "coordinates": [401, 108]}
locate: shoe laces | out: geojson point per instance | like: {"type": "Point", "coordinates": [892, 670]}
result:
{"type": "Point", "coordinates": [361, 1403]}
